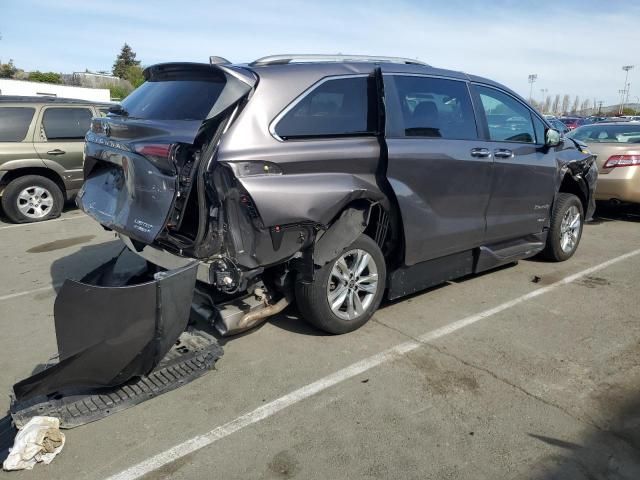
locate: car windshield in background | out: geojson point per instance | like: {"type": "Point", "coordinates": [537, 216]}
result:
{"type": "Point", "coordinates": [628, 133]}
{"type": "Point", "coordinates": [173, 99]}
{"type": "Point", "coordinates": [558, 125]}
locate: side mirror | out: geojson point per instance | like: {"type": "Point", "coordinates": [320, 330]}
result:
{"type": "Point", "coordinates": [552, 138]}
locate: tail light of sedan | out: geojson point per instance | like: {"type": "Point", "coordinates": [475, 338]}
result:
{"type": "Point", "coordinates": [622, 161]}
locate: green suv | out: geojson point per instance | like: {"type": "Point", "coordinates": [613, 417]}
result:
{"type": "Point", "coordinates": [41, 143]}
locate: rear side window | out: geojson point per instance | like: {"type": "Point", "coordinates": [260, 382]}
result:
{"type": "Point", "coordinates": [508, 120]}
{"type": "Point", "coordinates": [14, 123]}
{"type": "Point", "coordinates": [335, 108]}
{"type": "Point", "coordinates": [435, 108]}
{"type": "Point", "coordinates": [173, 99]}
{"type": "Point", "coordinates": [66, 123]}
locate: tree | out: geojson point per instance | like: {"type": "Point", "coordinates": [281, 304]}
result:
{"type": "Point", "coordinates": [576, 104]}
{"type": "Point", "coordinates": [556, 104]}
{"type": "Point", "coordinates": [586, 104]}
{"type": "Point", "coordinates": [125, 59]}
{"type": "Point", "coordinates": [118, 92]}
{"type": "Point", "coordinates": [134, 75]}
{"type": "Point", "coordinates": [45, 77]}
{"type": "Point", "coordinates": [565, 104]}
{"type": "Point", "coordinates": [547, 104]}
{"type": "Point", "coordinates": [8, 70]}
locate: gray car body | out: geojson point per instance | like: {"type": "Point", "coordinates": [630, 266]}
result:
{"type": "Point", "coordinates": [324, 175]}
{"type": "Point", "coordinates": [450, 212]}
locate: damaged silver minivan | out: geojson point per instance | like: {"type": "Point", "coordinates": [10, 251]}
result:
{"type": "Point", "coordinates": [329, 181]}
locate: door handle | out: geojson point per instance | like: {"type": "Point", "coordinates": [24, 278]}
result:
{"type": "Point", "coordinates": [503, 153]}
{"type": "Point", "coordinates": [480, 152]}
{"type": "Point", "coordinates": [56, 151]}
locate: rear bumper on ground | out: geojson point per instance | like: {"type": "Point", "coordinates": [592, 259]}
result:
{"type": "Point", "coordinates": [112, 326]}
{"type": "Point", "coordinates": [621, 183]}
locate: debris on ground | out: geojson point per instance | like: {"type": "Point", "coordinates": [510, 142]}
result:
{"type": "Point", "coordinates": [40, 440]}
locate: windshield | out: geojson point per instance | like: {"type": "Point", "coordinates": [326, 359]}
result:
{"type": "Point", "coordinates": [173, 99]}
{"type": "Point", "coordinates": [626, 133]}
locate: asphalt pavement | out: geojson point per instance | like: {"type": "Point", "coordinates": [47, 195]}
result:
{"type": "Point", "coordinates": [531, 371]}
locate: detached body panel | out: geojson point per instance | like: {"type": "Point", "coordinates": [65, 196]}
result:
{"type": "Point", "coordinates": [109, 331]}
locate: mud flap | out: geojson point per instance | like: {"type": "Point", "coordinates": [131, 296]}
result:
{"type": "Point", "coordinates": [114, 328]}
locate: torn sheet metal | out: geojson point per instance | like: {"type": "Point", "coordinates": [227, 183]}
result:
{"type": "Point", "coordinates": [40, 440]}
{"type": "Point", "coordinates": [111, 327]}
{"type": "Point", "coordinates": [340, 235]}
{"type": "Point", "coordinates": [128, 195]}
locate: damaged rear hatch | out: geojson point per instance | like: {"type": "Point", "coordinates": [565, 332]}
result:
{"type": "Point", "coordinates": [143, 160]}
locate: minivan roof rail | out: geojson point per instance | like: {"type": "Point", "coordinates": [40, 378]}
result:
{"type": "Point", "coordinates": [48, 99]}
{"type": "Point", "coordinates": [303, 58]}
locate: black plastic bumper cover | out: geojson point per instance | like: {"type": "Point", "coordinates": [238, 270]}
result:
{"type": "Point", "coordinates": [110, 329]}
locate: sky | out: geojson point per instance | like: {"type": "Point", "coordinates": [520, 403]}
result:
{"type": "Point", "coordinates": [577, 47]}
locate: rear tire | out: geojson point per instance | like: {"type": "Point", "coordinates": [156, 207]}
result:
{"type": "Point", "coordinates": [347, 291]}
{"type": "Point", "coordinates": [32, 198]}
{"type": "Point", "coordinates": [567, 220]}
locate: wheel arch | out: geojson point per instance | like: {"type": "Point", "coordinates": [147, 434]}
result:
{"type": "Point", "coordinates": [376, 219]}
{"type": "Point", "coordinates": [22, 171]}
{"type": "Point", "coordinates": [576, 186]}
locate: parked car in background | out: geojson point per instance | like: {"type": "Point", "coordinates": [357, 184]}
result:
{"type": "Point", "coordinates": [558, 125]}
{"type": "Point", "coordinates": [41, 143]}
{"type": "Point", "coordinates": [616, 119]}
{"type": "Point", "coordinates": [617, 146]}
{"type": "Point", "coordinates": [574, 122]}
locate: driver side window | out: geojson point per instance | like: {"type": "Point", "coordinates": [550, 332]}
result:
{"type": "Point", "coordinates": [508, 120]}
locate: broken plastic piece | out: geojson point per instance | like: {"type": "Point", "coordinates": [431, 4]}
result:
{"type": "Point", "coordinates": [112, 327]}
{"type": "Point", "coordinates": [40, 440]}
{"type": "Point", "coordinates": [194, 354]}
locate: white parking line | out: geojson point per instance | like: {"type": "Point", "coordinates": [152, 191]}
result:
{"type": "Point", "coordinates": [275, 406]}
{"type": "Point", "coordinates": [9, 296]}
{"type": "Point", "coordinates": [47, 222]}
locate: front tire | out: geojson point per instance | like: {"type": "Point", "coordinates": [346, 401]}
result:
{"type": "Point", "coordinates": [565, 232]}
{"type": "Point", "coordinates": [32, 198]}
{"type": "Point", "coordinates": [347, 291]}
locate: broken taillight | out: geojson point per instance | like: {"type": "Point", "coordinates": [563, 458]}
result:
{"type": "Point", "coordinates": [622, 161]}
{"type": "Point", "coordinates": [162, 155]}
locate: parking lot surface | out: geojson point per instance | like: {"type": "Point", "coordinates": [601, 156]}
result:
{"type": "Point", "coordinates": [530, 371]}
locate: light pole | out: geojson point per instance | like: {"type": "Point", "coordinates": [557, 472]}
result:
{"type": "Point", "coordinates": [626, 97]}
{"type": "Point", "coordinates": [626, 69]}
{"type": "Point", "coordinates": [621, 93]}
{"type": "Point", "coordinates": [532, 78]}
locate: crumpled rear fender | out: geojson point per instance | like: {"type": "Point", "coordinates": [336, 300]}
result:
{"type": "Point", "coordinates": [112, 327]}
{"type": "Point", "coordinates": [312, 197]}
